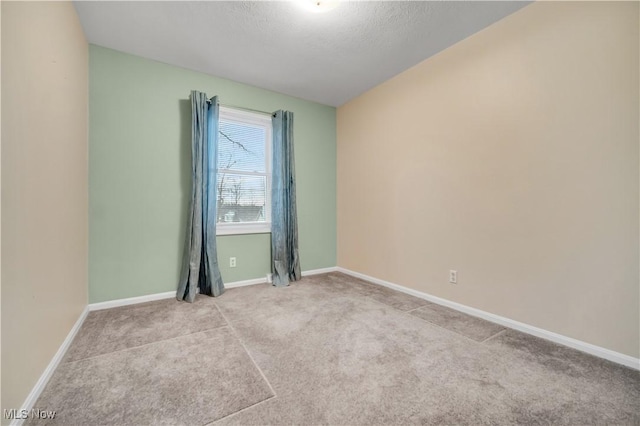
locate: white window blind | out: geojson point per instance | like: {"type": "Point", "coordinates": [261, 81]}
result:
{"type": "Point", "coordinates": [244, 172]}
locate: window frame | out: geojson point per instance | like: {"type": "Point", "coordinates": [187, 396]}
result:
{"type": "Point", "coordinates": [260, 120]}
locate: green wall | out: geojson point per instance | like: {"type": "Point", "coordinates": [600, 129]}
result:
{"type": "Point", "coordinates": [140, 176]}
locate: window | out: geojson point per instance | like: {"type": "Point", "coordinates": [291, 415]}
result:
{"type": "Point", "coordinates": [244, 172]}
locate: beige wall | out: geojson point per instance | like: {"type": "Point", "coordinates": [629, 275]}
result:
{"type": "Point", "coordinates": [511, 157]}
{"type": "Point", "coordinates": [44, 187]}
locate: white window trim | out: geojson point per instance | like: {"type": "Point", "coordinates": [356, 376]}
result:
{"type": "Point", "coordinates": [262, 120]}
{"type": "Point", "coordinates": [237, 228]}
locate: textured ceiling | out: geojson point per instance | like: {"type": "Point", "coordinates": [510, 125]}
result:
{"type": "Point", "coordinates": [328, 57]}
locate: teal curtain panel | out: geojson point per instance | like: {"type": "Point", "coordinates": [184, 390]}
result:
{"type": "Point", "coordinates": [200, 270]}
{"type": "Point", "coordinates": [284, 218]}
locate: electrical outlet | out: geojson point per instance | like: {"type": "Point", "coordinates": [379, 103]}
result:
{"type": "Point", "coordinates": [270, 278]}
{"type": "Point", "coordinates": [453, 276]}
{"type": "Point", "coordinates": [232, 262]}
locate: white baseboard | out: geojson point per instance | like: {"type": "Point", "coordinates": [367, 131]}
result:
{"type": "Point", "coordinates": [589, 348]}
{"type": "Point", "coordinates": [265, 280]}
{"type": "Point", "coordinates": [319, 271]}
{"type": "Point", "coordinates": [131, 300]}
{"type": "Point", "coordinates": [53, 364]}
{"type": "Point", "coordinates": [159, 296]}
{"type": "Point", "coordinates": [244, 283]}
{"type": "Point", "coordinates": [169, 294]}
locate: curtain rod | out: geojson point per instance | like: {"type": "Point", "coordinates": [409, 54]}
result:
{"type": "Point", "coordinates": [271, 114]}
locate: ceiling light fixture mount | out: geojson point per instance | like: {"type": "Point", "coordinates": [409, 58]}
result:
{"type": "Point", "coordinates": [318, 6]}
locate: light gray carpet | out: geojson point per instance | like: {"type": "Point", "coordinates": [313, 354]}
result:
{"type": "Point", "coordinates": [337, 350]}
{"type": "Point", "coordinates": [187, 380]}
{"type": "Point", "coordinates": [114, 329]}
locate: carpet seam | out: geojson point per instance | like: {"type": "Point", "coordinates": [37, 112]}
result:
{"type": "Point", "coordinates": [241, 410]}
{"type": "Point", "coordinates": [444, 328]}
{"type": "Point", "coordinates": [414, 309]}
{"type": "Point", "coordinates": [146, 344]}
{"type": "Point", "coordinates": [235, 333]}
{"type": "Point", "coordinates": [391, 306]}
{"type": "Point", "coordinates": [495, 335]}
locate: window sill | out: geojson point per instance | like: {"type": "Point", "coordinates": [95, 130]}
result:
{"type": "Point", "coordinates": [243, 228]}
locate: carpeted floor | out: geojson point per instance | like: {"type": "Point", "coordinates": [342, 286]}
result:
{"type": "Point", "coordinates": [330, 349]}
